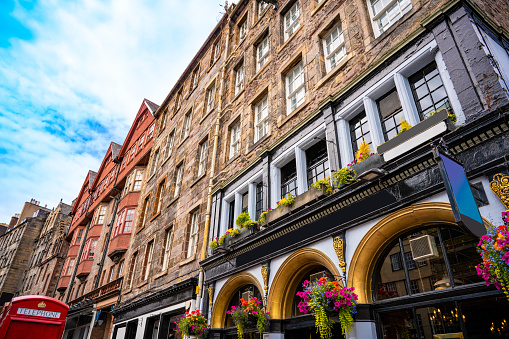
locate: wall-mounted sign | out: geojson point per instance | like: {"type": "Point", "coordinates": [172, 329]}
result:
{"type": "Point", "coordinates": [460, 195]}
{"type": "Point", "coordinates": [38, 313]}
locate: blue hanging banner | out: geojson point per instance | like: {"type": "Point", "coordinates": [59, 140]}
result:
{"type": "Point", "coordinates": [460, 194]}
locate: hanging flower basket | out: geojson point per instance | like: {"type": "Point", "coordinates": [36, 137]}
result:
{"type": "Point", "coordinates": [325, 298]}
{"type": "Point", "coordinates": [193, 324]}
{"type": "Point", "coordinates": [494, 250]}
{"type": "Point", "coordinates": [249, 314]}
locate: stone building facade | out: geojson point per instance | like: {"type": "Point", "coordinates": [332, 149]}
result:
{"type": "Point", "coordinates": [48, 253]}
{"type": "Point", "coordinates": [103, 219]}
{"type": "Point", "coordinates": [16, 248]}
{"type": "Point", "coordinates": [282, 97]}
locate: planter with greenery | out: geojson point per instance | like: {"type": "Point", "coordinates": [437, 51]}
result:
{"type": "Point", "coordinates": [193, 324]}
{"type": "Point", "coordinates": [494, 250]}
{"type": "Point", "coordinates": [249, 314]}
{"type": "Point", "coordinates": [323, 298]}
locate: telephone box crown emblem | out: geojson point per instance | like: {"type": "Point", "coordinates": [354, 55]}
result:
{"type": "Point", "coordinates": [41, 305]}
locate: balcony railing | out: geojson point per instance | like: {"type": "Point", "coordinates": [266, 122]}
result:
{"type": "Point", "coordinates": [112, 286]}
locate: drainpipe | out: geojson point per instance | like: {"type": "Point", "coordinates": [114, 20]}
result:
{"type": "Point", "coordinates": [110, 227]}
{"type": "Point", "coordinates": [213, 167]}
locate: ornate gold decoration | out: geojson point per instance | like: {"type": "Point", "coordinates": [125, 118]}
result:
{"type": "Point", "coordinates": [211, 295]}
{"type": "Point", "coordinates": [41, 305]}
{"type": "Point", "coordinates": [338, 247]}
{"type": "Point", "coordinates": [265, 276]}
{"type": "Point", "coordinates": [500, 186]}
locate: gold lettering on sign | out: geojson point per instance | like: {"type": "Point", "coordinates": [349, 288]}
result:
{"type": "Point", "coordinates": [265, 276]}
{"type": "Point", "coordinates": [500, 186]}
{"type": "Point", "coordinates": [338, 247]}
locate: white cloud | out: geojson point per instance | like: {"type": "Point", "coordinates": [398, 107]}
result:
{"type": "Point", "coordinates": [90, 63]}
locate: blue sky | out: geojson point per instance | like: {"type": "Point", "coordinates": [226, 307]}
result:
{"type": "Point", "coordinates": [72, 77]}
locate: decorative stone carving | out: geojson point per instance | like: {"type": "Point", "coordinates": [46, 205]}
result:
{"type": "Point", "coordinates": [500, 186]}
{"type": "Point", "coordinates": [211, 294]}
{"type": "Point", "coordinates": [338, 247]}
{"type": "Point", "coordinates": [265, 276]}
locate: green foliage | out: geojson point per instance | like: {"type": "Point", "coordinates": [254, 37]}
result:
{"type": "Point", "coordinates": [262, 217]}
{"type": "Point", "coordinates": [321, 184]}
{"type": "Point", "coordinates": [288, 200]}
{"type": "Point", "coordinates": [344, 176]}
{"type": "Point", "coordinates": [404, 126]}
{"type": "Point", "coordinates": [244, 221]}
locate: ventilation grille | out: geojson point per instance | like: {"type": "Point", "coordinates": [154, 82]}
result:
{"type": "Point", "coordinates": [424, 248]}
{"type": "Point", "coordinates": [316, 276]}
{"type": "Point", "coordinates": [247, 295]}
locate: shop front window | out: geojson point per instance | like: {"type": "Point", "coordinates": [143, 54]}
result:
{"type": "Point", "coordinates": [433, 269]}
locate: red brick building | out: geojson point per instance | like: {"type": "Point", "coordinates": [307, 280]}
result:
{"type": "Point", "coordinates": [99, 235]}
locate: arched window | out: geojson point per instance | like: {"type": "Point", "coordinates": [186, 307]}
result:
{"type": "Point", "coordinates": [425, 286]}
{"type": "Point", "coordinates": [246, 292]}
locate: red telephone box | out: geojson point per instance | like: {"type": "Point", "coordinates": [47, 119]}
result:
{"type": "Point", "coordinates": [33, 317]}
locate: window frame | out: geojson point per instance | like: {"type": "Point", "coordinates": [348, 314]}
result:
{"type": "Point", "coordinates": [262, 7]}
{"type": "Point", "coordinates": [179, 173]}
{"type": "Point", "coordinates": [155, 161]}
{"type": "Point", "coordinates": [169, 144]}
{"type": "Point", "coordinates": [149, 251]}
{"type": "Point", "coordinates": [234, 140]}
{"type": "Point", "coordinates": [202, 157]}
{"type": "Point", "coordinates": [193, 234]}
{"type": "Point", "coordinates": [158, 202]}
{"type": "Point", "coordinates": [294, 24]}
{"type": "Point", "coordinates": [261, 121]}
{"type": "Point", "coordinates": [375, 17]}
{"type": "Point", "coordinates": [101, 214]}
{"type": "Point", "coordinates": [211, 93]}
{"type": "Point", "coordinates": [341, 47]}
{"type": "Point", "coordinates": [262, 59]}
{"type": "Point", "coordinates": [168, 233]}
{"type": "Point", "coordinates": [239, 78]}
{"type": "Point", "coordinates": [296, 91]}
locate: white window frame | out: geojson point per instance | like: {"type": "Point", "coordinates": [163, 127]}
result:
{"type": "Point", "coordinates": [178, 180]}
{"type": "Point", "coordinates": [239, 79]}
{"type": "Point", "coordinates": [261, 118]}
{"type": "Point", "coordinates": [193, 235]}
{"type": "Point", "coordinates": [101, 214]}
{"type": "Point", "coordinates": [186, 125]}
{"type": "Point", "coordinates": [155, 160]}
{"type": "Point", "coordinates": [337, 46]}
{"type": "Point", "coordinates": [262, 53]}
{"type": "Point", "coordinates": [145, 210]}
{"type": "Point", "coordinates": [292, 21]}
{"type": "Point", "coordinates": [110, 277]}
{"type": "Point", "coordinates": [211, 92]}
{"type": "Point", "coordinates": [195, 78]}
{"type": "Point", "coordinates": [149, 253]}
{"type": "Point", "coordinates": [203, 158]}
{"type": "Point", "coordinates": [125, 221]}
{"type": "Point", "coordinates": [159, 196]}
{"type": "Point", "coordinates": [138, 178]}
{"type": "Point", "coordinates": [243, 30]}
{"type": "Point", "coordinates": [402, 7]}
{"type": "Point", "coordinates": [217, 50]}
{"type": "Point", "coordinates": [167, 249]}
{"type": "Point", "coordinates": [70, 266]}
{"type": "Point", "coordinates": [262, 6]}
{"type": "Point", "coordinates": [133, 265]}
{"type": "Point", "coordinates": [234, 139]}
{"type": "Point", "coordinates": [169, 144]}
{"type": "Point", "coordinates": [295, 80]}
{"type": "Point", "coordinates": [396, 78]}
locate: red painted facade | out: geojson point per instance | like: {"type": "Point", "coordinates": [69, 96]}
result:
{"type": "Point", "coordinates": [96, 208]}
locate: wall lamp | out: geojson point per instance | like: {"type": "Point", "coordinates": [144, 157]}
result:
{"type": "Point", "coordinates": [372, 174]}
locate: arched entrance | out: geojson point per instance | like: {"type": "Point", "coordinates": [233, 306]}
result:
{"type": "Point", "coordinates": [417, 269]}
{"type": "Point", "coordinates": [229, 291]}
{"type": "Point", "coordinates": [290, 274]}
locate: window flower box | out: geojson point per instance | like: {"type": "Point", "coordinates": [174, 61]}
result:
{"type": "Point", "coordinates": [300, 201]}
{"type": "Point", "coordinates": [373, 161]}
{"type": "Point", "coordinates": [244, 233]}
{"type": "Point", "coordinates": [416, 136]}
